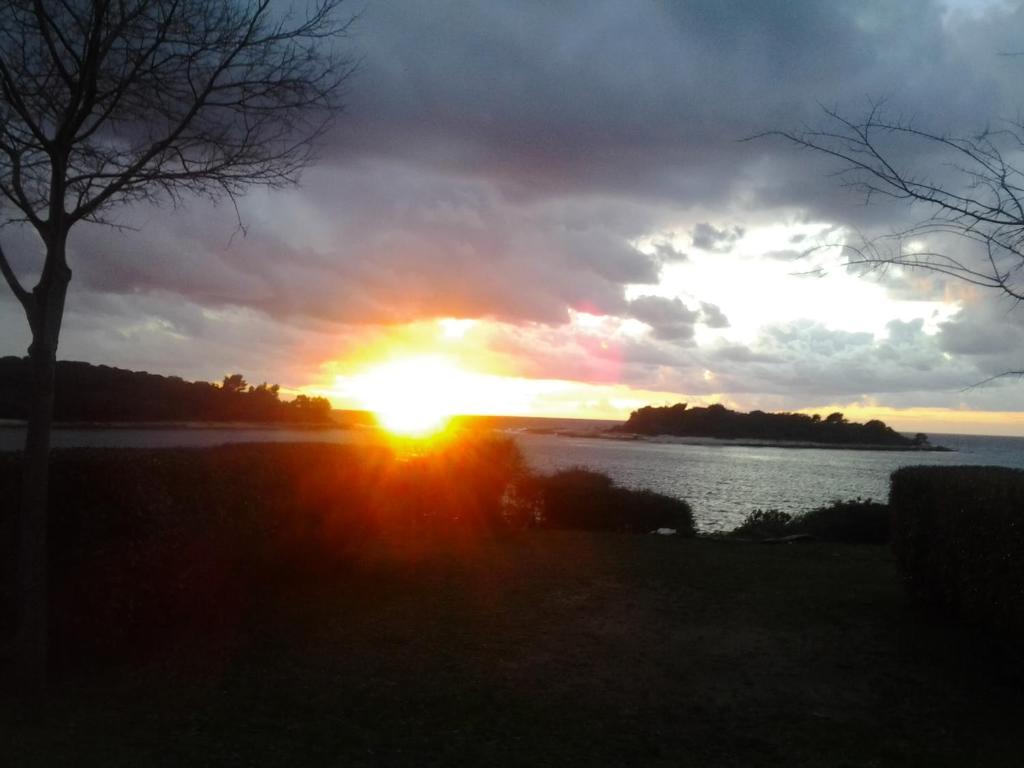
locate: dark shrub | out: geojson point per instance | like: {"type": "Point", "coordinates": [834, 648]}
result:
{"type": "Point", "coordinates": [646, 511]}
{"type": "Point", "coordinates": [587, 500]}
{"type": "Point", "coordinates": [148, 546]}
{"type": "Point", "coordinates": [850, 522]}
{"type": "Point", "coordinates": [578, 498]}
{"type": "Point", "coordinates": [959, 538]}
{"type": "Point", "coordinates": [763, 524]}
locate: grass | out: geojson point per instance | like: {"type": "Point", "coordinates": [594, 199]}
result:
{"type": "Point", "coordinates": [553, 648]}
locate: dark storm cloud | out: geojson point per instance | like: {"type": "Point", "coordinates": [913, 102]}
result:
{"type": "Point", "coordinates": [987, 332]}
{"type": "Point", "coordinates": [383, 246]}
{"type": "Point", "coordinates": [652, 98]}
{"type": "Point", "coordinates": [467, 118]}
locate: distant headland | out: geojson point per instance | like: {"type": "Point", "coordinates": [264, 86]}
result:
{"type": "Point", "coordinates": [99, 394]}
{"type": "Point", "coordinates": [757, 427]}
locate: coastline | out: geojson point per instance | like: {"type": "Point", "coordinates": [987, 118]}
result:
{"type": "Point", "coordinates": [740, 441]}
{"type": "Point", "coordinates": [199, 426]}
{"type": "Point", "coordinates": [190, 425]}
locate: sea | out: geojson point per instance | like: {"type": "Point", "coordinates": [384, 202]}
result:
{"type": "Point", "coordinates": [722, 483]}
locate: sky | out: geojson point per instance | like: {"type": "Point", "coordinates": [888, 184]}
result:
{"type": "Point", "coordinates": [553, 209]}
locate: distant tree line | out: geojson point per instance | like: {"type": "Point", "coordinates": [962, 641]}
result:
{"type": "Point", "coordinates": [86, 392]}
{"type": "Point", "coordinates": [718, 421]}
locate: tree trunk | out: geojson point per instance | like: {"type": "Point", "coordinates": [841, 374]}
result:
{"type": "Point", "coordinates": [33, 614]}
{"type": "Point", "coordinates": [32, 539]}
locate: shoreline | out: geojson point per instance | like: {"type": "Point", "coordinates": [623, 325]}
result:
{"type": "Point", "coordinates": [199, 426]}
{"type": "Point", "coordinates": [740, 442]}
{"type": "Point", "coordinates": [188, 425]}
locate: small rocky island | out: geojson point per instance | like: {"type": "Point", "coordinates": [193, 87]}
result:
{"type": "Point", "coordinates": [760, 428]}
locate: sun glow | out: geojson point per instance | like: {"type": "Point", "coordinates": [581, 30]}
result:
{"type": "Point", "coordinates": [414, 396]}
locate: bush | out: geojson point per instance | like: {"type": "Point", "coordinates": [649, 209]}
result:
{"type": "Point", "coordinates": [959, 539]}
{"type": "Point", "coordinates": [149, 544]}
{"type": "Point", "coordinates": [849, 522]}
{"type": "Point", "coordinates": [763, 524]}
{"type": "Point", "coordinates": [583, 499]}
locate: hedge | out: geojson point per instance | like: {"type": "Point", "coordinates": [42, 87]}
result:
{"type": "Point", "coordinates": [959, 539]}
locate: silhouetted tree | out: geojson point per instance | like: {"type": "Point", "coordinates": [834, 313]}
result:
{"type": "Point", "coordinates": [111, 102]}
{"type": "Point", "coordinates": [234, 383]}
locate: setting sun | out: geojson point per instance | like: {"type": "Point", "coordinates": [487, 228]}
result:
{"type": "Point", "coordinates": [414, 396]}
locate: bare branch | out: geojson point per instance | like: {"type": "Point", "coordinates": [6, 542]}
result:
{"type": "Point", "coordinates": [23, 296]}
{"type": "Point", "coordinates": [104, 103]}
{"type": "Point", "coordinates": [978, 199]}
{"type": "Point", "coordinates": [990, 379]}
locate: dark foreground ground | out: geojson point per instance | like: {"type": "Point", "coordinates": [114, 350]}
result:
{"type": "Point", "coordinates": [555, 649]}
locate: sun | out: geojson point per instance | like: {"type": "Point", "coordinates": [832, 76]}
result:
{"type": "Point", "coordinates": [415, 396]}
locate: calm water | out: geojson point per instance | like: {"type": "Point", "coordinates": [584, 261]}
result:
{"type": "Point", "coordinates": [722, 484]}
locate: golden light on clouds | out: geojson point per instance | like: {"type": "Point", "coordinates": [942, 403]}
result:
{"type": "Point", "coordinates": [934, 420]}
{"type": "Point", "coordinates": [418, 395]}
{"type": "Point", "coordinates": [416, 376]}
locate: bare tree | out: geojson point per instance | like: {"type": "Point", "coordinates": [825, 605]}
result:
{"type": "Point", "coordinates": [111, 102]}
{"type": "Point", "coordinates": [972, 192]}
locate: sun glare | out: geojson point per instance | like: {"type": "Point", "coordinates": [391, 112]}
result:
{"type": "Point", "coordinates": [415, 396]}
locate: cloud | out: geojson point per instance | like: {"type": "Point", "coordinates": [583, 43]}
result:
{"type": "Point", "coordinates": [651, 87]}
{"type": "Point", "coordinates": [787, 254]}
{"type": "Point", "coordinates": [806, 362]}
{"type": "Point", "coordinates": [712, 316]}
{"type": "Point", "coordinates": [988, 332]}
{"type": "Point", "coordinates": [670, 319]}
{"type": "Point", "coordinates": [382, 244]}
{"type": "Point", "coordinates": [708, 238]}
{"type": "Point", "coordinates": [668, 254]}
